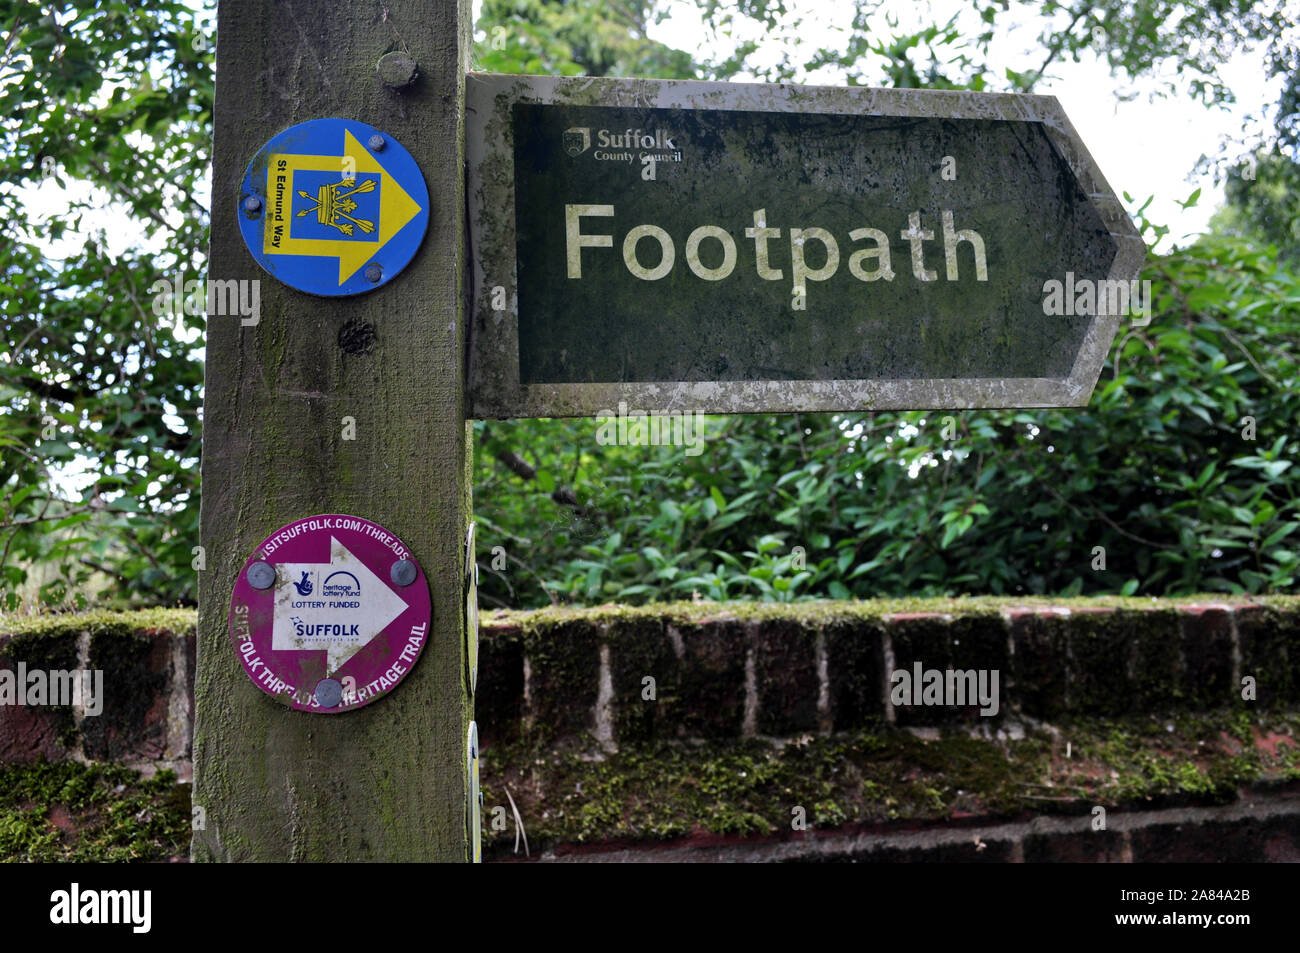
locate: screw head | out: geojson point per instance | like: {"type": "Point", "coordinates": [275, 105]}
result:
{"type": "Point", "coordinates": [403, 572]}
{"type": "Point", "coordinates": [396, 69]}
{"type": "Point", "coordinates": [261, 575]}
{"type": "Point", "coordinates": [376, 143]}
{"type": "Point", "coordinates": [252, 204]}
{"type": "Point", "coordinates": [374, 273]}
{"type": "Point", "coordinates": [329, 692]}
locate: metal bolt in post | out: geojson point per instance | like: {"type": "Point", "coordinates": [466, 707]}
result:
{"type": "Point", "coordinates": [261, 575]}
{"type": "Point", "coordinates": [329, 692]}
{"type": "Point", "coordinates": [403, 572]}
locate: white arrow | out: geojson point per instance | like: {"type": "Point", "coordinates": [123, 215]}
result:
{"type": "Point", "coordinates": [336, 607]}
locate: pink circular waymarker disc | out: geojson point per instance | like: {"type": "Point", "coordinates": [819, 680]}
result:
{"type": "Point", "coordinates": [329, 614]}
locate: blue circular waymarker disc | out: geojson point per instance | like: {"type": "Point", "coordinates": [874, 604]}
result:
{"type": "Point", "coordinates": [333, 207]}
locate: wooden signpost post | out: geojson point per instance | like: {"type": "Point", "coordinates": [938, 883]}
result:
{"type": "Point", "coordinates": [673, 246]}
{"type": "Point", "coordinates": [337, 405]}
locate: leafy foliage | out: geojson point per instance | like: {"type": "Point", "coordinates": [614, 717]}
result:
{"type": "Point", "coordinates": [99, 397]}
{"type": "Point", "coordinates": [91, 813]}
{"type": "Point", "coordinates": [1263, 193]}
{"type": "Point", "coordinates": [1185, 42]}
{"type": "Point", "coordinates": [576, 38]}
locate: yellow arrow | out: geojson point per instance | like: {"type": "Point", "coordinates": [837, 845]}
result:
{"type": "Point", "coordinates": [396, 208]}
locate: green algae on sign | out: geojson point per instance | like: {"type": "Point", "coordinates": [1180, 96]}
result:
{"type": "Point", "coordinates": [740, 248]}
{"type": "Point", "coordinates": [779, 202]}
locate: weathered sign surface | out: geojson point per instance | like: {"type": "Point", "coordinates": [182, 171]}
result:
{"type": "Point", "coordinates": [737, 248]}
{"type": "Point", "coordinates": [329, 614]}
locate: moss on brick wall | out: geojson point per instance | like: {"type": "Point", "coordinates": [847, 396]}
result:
{"type": "Point", "coordinates": [881, 779]}
{"type": "Point", "coordinates": [818, 613]}
{"type": "Point", "coordinates": [100, 622]}
{"type": "Point", "coordinates": [682, 771]}
{"type": "Point", "coordinates": [91, 814]}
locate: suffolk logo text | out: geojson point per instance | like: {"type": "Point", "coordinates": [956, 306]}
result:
{"type": "Point", "coordinates": [627, 145]}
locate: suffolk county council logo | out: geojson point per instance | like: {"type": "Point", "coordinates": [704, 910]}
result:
{"type": "Point", "coordinates": [334, 204]}
{"type": "Point", "coordinates": [577, 140]}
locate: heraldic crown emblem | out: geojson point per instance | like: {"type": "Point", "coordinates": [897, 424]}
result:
{"type": "Point", "coordinates": [331, 204]}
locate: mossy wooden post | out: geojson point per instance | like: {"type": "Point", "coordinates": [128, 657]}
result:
{"type": "Point", "coordinates": [388, 781]}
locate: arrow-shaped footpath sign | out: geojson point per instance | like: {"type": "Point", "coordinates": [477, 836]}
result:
{"type": "Point", "coordinates": [339, 606]}
{"type": "Point", "coordinates": [726, 247]}
{"type": "Point", "coordinates": [333, 191]}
